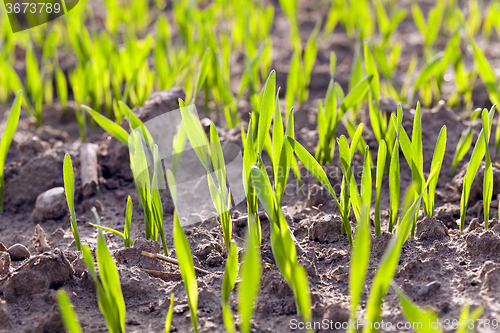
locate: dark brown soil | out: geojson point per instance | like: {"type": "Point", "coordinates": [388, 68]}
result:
{"type": "Point", "coordinates": [442, 268]}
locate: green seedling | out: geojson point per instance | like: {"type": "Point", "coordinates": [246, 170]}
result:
{"type": "Point", "coordinates": [329, 118]}
{"type": "Point", "coordinates": [34, 85]}
{"type": "Point", "coordinates": [413, 153]}
{"type": "Point", "coordinates": [184, 256]}
{"type": "Point", "coordinates": [282, 241]}
{"type": "Point", "coordinates": [315, 168]}
{"type": "Point", "coordinates": [212, 158]}
{"type": "Point", "coordinates": [394, 183]}
{"type": "Point", "coordinates": [465, 142]}
{"type": "Point", "coordinates": [230, 275]}
{"type": "Point", "coordinates": [381, 158]}
{"type": "Point", "coordinates": [387, 25]}
{"type": "Point", "coordinates": [475, 160]}
{"type": "Point", "coordinates": [148, 189]}
{"type": "Point", "coordinates": [68, 314]}
{"type": "Point", "coordinates": [128, 221]}
{"type": "Point", "coordinates": [69, 189]}
{"type": "Point", "coordinates": [109, 292]}
{"type": "Point", "coordinates": [488, 169]}
{"type": "Point", "coordinates": [170, 313]}
{"type": "Point", "coordinates": [248, 287]}
{"type": "Point", "coordinates": [380, 123]}
{"type": "Point", "coordinates": [430, 29]}
{"type": "Point", "coordinates": [8, 134]}
{"type": "Point", "coordinates": [299, 75]}
{"type": "Point", "coordinates": [390, 259]}
{"type": "Point", "coordinates": [62, 88]}
{"type": "Point", "coordinates": [360, 256]}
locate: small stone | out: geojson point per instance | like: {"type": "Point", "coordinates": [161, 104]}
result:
{"type": "Point", "coordinates": [430, 228]}
{"type": "Point", "coordinates": [429, 288]}
{"type": "Point", "coordinates": [50, 205]}
{"type": "Point", "coordinates": [2, 248]}
{"type": "Point", "coordinates": [4, 263]}
{"type": "Point", "coordinates": [18, 252]}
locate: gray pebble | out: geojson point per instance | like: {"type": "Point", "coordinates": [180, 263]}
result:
{"type": "Point", "coordinates": [50, 205]}
{"type": "Point", "coordinates": [429, 288]}
{"type": "Point", "coordinates": [18, 252]}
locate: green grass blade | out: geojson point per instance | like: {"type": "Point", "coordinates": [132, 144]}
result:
{"type": "Point", "coordinates": [184, 256]}
{"type": "Point", "coordinates": [359, 261]}
{"type": "Point", "coordinates": [69, 189]}
{"type": "Point", "coordinates": [168, 320]}
{"type": "Point", "coordinates": [394, 186]}
{"type": "Point", "coordinates": [475, 161]}
{"type": "Point", "coordinates": [371, 69]}
{"type": "Point", "coordinates": [414, 314]}
{"type": "Point", "coordinates": [426, 72]}
{"type": "Point", "coordinates": [62, 88]}
{"type": "Point", "coordinates": [128, 222]}
{"type": "Point", "coordinates": [266, 112]}
{"type": "Point", "coordinates": [8, 134]}
{"type": "Point", "coordinates": [437, 159]}
{"type": "Point", "coordinates": [486, 72]}
{"type": "Point", "coordinates": [202, 74]}
{"type": "Point", "coordinates": [108, 125]}
{"type": "Point", "coordinates": [68, 314]}
{"type": "Point", "coordinates": [355, 95]}
{"type": "Point", "coordinates": [187, 269]}
{"type": "Point", "coordinates": [381, 158]}
{"type": "Point", "coordinates": [248, 288]}
{"type": "Point", "coordinates": [230, 275]}
{"type": "Point", "coordinates": [488, 169]}
{"type": "Point", "coordinates": [111, 283]}
{"type": "Point", "coordinates": [113, 231]}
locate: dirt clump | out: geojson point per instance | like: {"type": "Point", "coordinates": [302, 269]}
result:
{"type": "Point", "coordinates": [4, 263]}
{"type": "Point", "coordinates": [37, 175]}
{"type": "Point", "coordinates": [131, 256]}
{"type": "Point", "coordinates": [42, 272]}
{"type": "Point", "coordinates": [327, 229]}
{"type": "Point", "coordinates": [448, 214]}
{"type": "Point", "coordinates": [160, 102]}
{"type": "Point", "coordinates": [430, 228]}
{"type": "Point", "coordinates": [379, 243]}
{"type": "Point", "coordinates": [486, 242]}
{"type": "Point", "coordinates": [492, 281]}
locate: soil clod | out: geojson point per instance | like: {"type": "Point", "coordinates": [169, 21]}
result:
{"type": "Point", "coordinates": [326, 230]}
{"type": "Point", "coordinates": [430, 228]}
{"type": "Point", "coordinates": [45, 271]}
{"type": "Point", "coordinates": [4, 263]}
{"type": "Point", "coordinates": [486, 242]}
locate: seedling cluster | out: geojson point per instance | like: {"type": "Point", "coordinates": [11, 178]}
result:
{"type": "Point", "coordinates": [140, 51]}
